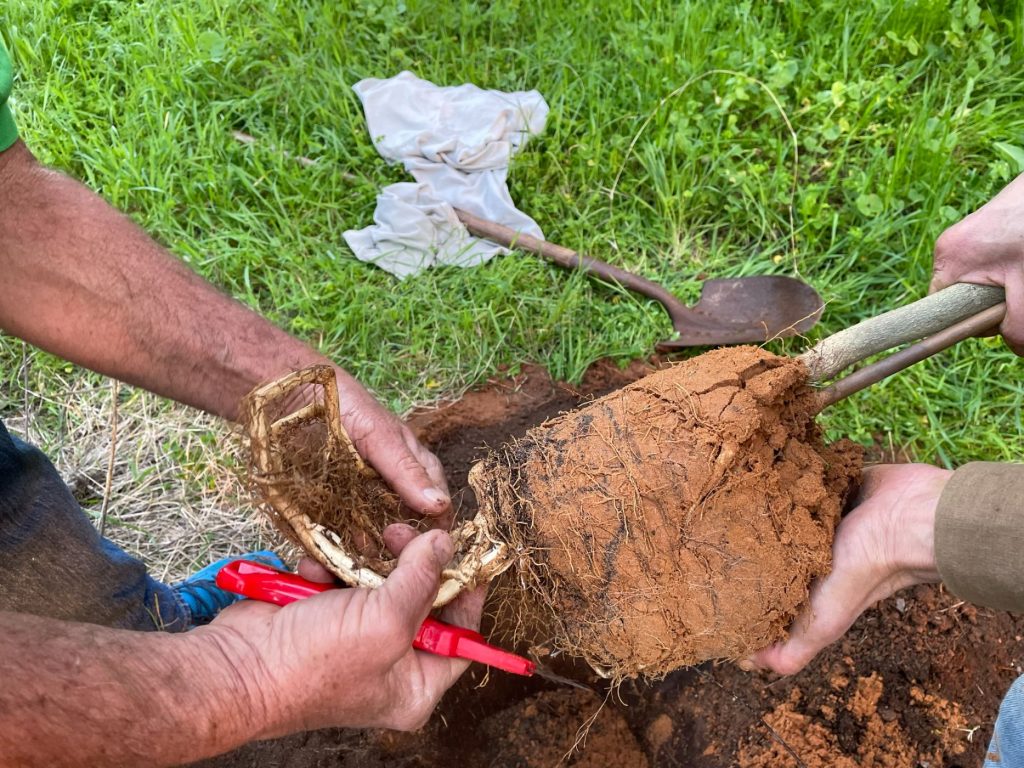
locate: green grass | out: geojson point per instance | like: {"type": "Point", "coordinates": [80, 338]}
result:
{"type": "Point", "coordinates": [902, 112]}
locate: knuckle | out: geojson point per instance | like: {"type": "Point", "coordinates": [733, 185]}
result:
{"type": "Point", "coordinates": [426, 458]}
{"type": "Point", "coordinates": [434, 464]}
{"type": "Point", "coordinates": [788, 665]}
{"type": "Point", "coordinates": [422, 583]}
{"type": "Point", "coordinates": [357, 425]}
{"type": "Point", "coordinates": [416, 714]}
{"type": "Point", "coordinates": [957, 241]}
{"type": "Point", "coordinates": [408, 463]}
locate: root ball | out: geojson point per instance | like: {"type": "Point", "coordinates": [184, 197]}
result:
{"type": "Point", "coordinates": [679, 519]}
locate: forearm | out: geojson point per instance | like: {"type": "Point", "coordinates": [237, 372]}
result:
{"type": "Point", "coordinates": [81, 280]}
{"type": "Point", "coordinates": [79, 694]}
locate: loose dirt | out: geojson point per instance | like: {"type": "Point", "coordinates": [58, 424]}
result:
{"type": "Point", "coordinates": [677, 519]}
{"type": "Point", "coordinates": [917, 680]}
{"type": "Point", "coordinates": [546, 728]}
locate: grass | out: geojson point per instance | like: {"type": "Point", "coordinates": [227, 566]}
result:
{"type": "Point", "coordinates": [834, 140]}
{"type": "Point", "coordinates": [173, 494]}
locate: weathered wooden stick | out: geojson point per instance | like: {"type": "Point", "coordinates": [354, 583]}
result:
{"type": "Point", "coordinates": [925, 317]}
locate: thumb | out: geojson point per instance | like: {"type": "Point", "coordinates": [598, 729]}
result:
{"type": "Point", "coordinates": [408, 593]}
{"type": "Point", "coordinates": [411, 470]}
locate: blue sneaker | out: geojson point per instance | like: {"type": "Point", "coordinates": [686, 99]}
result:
{"type": "Point", "coordinates": [201, 595]}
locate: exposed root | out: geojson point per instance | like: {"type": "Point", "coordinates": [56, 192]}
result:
{"type": "Point", "coordinates": [319, 492]}
{"type": "Point", "coordinates": [676, 520]}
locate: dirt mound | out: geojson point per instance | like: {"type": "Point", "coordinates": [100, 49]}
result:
{"type": "Point", "coordinates": [803, 742]}
{"type": "Point", "coordinates": [588, 734]}
{"type": "Point", "coordinates": [678, 519]}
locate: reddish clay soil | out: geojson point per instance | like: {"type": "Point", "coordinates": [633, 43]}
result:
{"type": "Point", "coordinates": [678, 519]}
{"type": "Point", "coordinates": [916, 682]}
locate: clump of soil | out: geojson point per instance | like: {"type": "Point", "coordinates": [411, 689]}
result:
{"type": "Point", "coordinates": [804, 742]}
{"type": "Point", "coordinates": [678, 519]}
{"type": "Point", "coordinates": [588, 735]}
{"type": "Point", "coordinates": [942, 666]}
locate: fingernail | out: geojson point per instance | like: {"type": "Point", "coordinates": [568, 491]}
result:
{"type": "Point", "coordinates": [436, 497]}
{"type": "Point", "coordinates": [443, 548]}
{"type": "Point", "coordinates": [746, 665]}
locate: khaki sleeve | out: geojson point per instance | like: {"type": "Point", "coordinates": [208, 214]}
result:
{"type": "Point", "coordinates": [979, 535]}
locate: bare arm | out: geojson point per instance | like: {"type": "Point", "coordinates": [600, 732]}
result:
{"type": "Point", "coordinates": [87, 695]}
{"type": "Point", "coordinates": [82, 695]}
{"type": "Point", "coordinates": [81, 280]}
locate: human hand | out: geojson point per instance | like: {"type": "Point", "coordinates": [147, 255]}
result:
{"type": "Point", "coordinates": [885, 544]}
{"type": "Point", "coordinates": [345, 657]}
{"type": "Point", "coordinates": [390, 447]}
{"type": "Point", "coordinates": [987, 247]}
{"type": "Point", "coordinates": [387, 444]}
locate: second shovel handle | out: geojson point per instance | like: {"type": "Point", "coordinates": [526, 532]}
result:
{"type": "Point", "coordinates": [564, 257]}
{"type": "Point", "coordinates": [984, 321]}
{"type": "Point", "coordinates": [914, 321]}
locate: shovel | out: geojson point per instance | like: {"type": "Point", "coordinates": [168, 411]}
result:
{"type": "Point", "coordinates": [742, 310]}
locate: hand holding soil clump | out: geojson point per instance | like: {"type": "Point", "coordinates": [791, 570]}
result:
{"type": "Point", "coordinates": [678, 519]}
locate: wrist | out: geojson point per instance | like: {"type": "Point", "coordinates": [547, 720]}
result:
{"type": "Point", "coordinates": [230, 700]}
{"type": "Point", "coordinates": [912, 525]}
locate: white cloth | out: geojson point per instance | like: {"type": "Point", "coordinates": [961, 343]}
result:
{"type": "Point", "coordinates": [457, 142]}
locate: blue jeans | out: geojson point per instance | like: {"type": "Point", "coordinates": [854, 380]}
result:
{"type": "Point", "coordinates": [54, 563]}
{"type": "Point", "coordinates": [1006, 750]}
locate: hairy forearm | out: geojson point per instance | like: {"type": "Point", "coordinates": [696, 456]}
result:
{"type": "Point", "coordinates": [81, 280]}
{"type": "Point", "coordinates": [83, 695]}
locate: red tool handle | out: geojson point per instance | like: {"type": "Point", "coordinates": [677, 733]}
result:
{"type": "Point", "coordinates": [270, 585]}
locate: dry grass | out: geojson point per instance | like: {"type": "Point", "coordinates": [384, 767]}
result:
{"type": "Point", "coordinates": [175, 498]}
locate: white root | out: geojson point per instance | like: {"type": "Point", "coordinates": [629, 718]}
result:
{"type": "Point", "coordinates": [479, 557]}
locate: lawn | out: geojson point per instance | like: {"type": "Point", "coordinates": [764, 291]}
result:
{"type": "Point", "coordinates": [830, 140]}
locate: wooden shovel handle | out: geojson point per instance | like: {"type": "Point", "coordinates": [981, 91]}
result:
{"type": "Point", "coordinates": [564, 257]}
{"type": "Point", "coordinates": [905, 324]}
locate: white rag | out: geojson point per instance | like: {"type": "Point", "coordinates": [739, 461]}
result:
{"type": "Point", "coordinates": [457, 142]}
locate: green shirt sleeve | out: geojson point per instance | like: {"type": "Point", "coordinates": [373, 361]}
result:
{"type": "Point", "coordinates": [8, 131]}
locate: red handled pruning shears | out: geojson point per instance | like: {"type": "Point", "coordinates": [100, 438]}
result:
{"type": "Point", "coordinates": [270, 585]}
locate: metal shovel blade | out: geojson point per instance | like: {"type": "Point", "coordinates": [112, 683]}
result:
{"type": "Point", "coordinates": [744, 310]}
